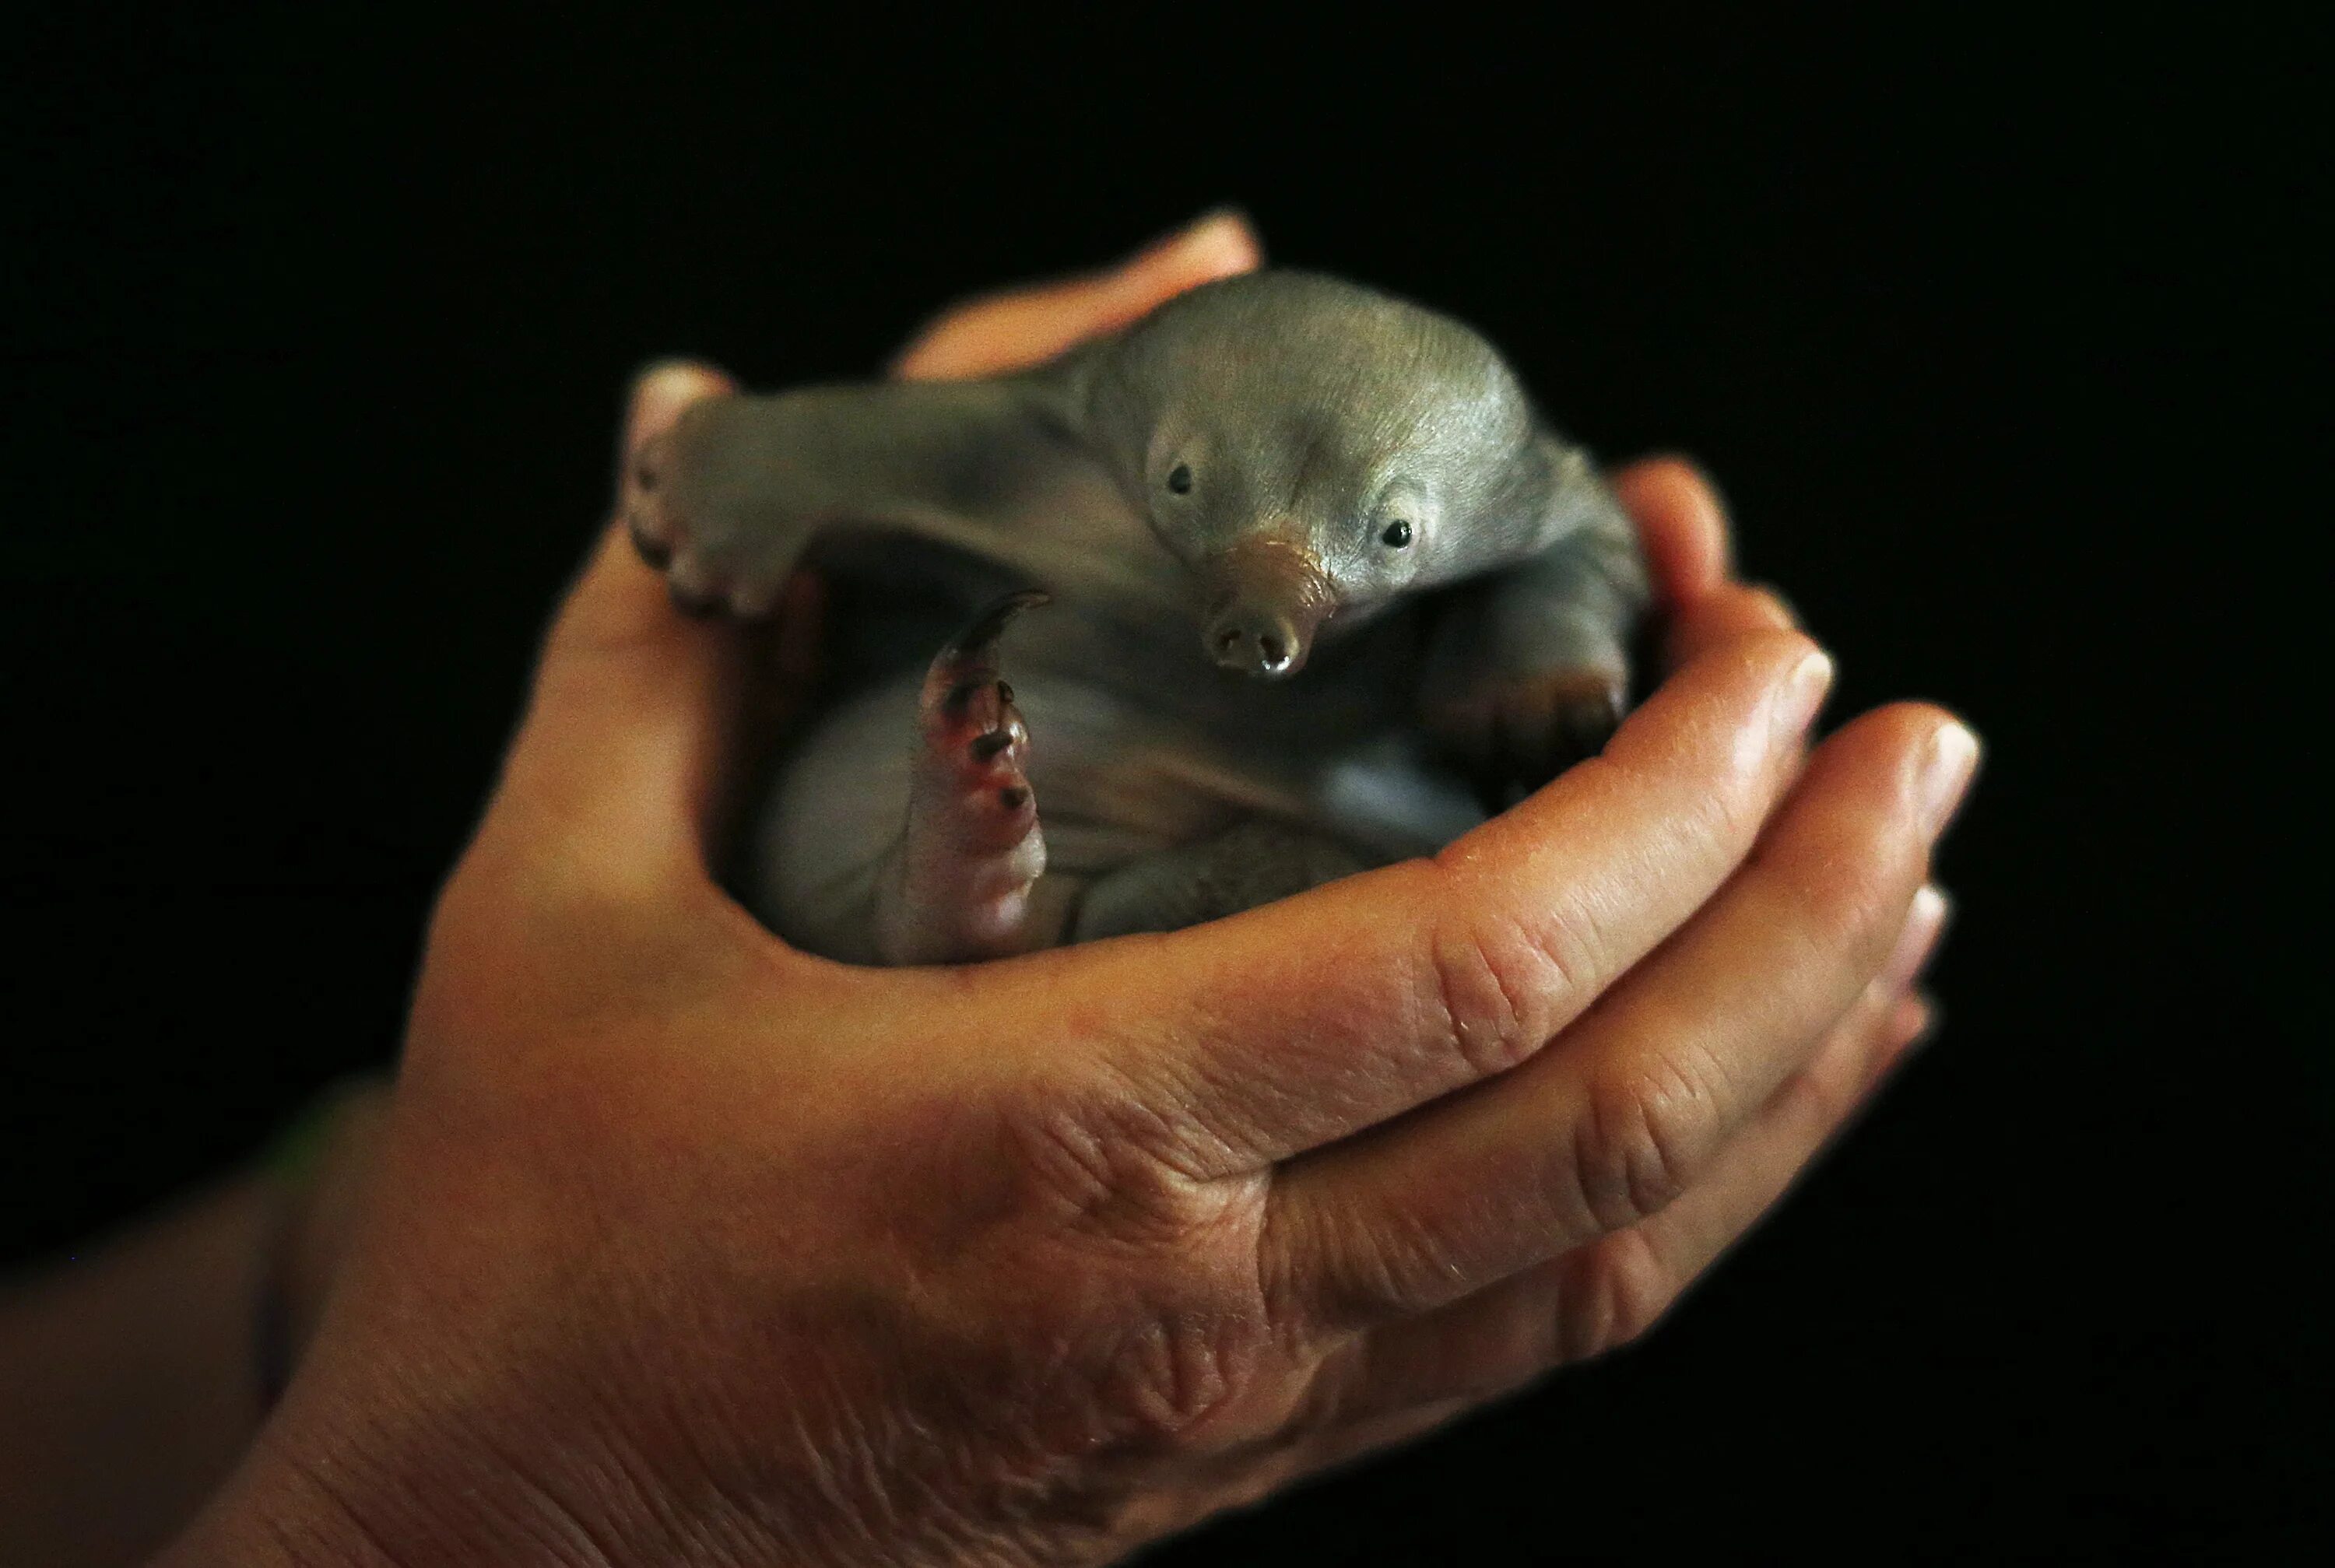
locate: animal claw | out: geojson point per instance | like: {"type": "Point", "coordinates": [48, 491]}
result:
{"type": "Point", "coordinates": [980, 635]}
{"type": "Point", "coordinates": [971, 848]}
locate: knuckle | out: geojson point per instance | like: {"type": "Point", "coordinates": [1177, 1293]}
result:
{"type": "Point", "coordinates": [1397, 1264]}
{"type": "Point", "coordinates": [1165, 1386]}
{"type": "Point", "coordinates": [1729, 818]}
{"type": "Point", "coordinates": [1289, 1275]}
{"type": "Point", "coordinates": [1637, 1138]}
{"type": "Point", "coordinates": [1502, 989]}
{"type": "Point", "coordinates": [1124, 1360]}
{"type": "Point", "coordinates": [1620, 1289]}
{"type": "Point", "coordinates": [1098, 1164]}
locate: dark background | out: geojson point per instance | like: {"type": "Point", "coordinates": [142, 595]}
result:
{"type": "Point", "coordinates": [1997, 340]}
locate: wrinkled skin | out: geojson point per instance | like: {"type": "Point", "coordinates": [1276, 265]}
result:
{"type": "Point", "coordinates": [681, 1245]}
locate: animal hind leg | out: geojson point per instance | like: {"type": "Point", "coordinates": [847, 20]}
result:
{"type": "Point", "coordinates": [956, 885]}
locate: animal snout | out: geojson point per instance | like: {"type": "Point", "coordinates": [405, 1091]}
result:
{"type": "Point", "coordinates": [1250, 640]}
{"type": "Point", "coordinates": [1266, 597]}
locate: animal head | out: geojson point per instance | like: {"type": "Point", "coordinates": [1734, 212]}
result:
{"type": "Point", "coordinates": [1311, 451]}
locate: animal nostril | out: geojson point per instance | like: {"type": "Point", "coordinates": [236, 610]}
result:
{"type": "Point", "coordinates": [1276, 651]}
{"type": "Point", "coordinates": [1226, 641]}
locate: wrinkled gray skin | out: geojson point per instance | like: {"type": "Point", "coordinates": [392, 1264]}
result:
{"type": "Point", "coordinates": [1217, 499]}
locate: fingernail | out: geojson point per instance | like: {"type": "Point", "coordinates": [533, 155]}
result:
{"type": "Point", "coordinates": [1946, 774]}
{"type": "Point", "coordinates": [1925, 921]}
{"type": "Point", "coordinates": [1796, 702]}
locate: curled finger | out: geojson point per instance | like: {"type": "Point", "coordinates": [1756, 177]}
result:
{"type": "Point", "coordinates": [1612, 1291]}
{"type": "Point", "coordinates": [1627, 1113]}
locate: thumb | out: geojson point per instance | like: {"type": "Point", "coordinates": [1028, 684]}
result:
{"type": "Point", "coordinates": [625, 752]}
{"type": "Point", "coordinates": [1026, 326]}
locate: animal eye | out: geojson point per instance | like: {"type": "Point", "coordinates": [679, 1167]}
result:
{"type": "Point", "coordinates": [1179, 478]}
{"type": "Point", "coordinates": [1397, 536]}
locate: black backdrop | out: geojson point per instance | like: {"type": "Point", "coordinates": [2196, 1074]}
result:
{"type": "Point", "coordinates": [315, 334]}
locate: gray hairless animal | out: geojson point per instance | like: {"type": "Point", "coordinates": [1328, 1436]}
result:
{"type": "Point", "coordinates": [1324, 478]}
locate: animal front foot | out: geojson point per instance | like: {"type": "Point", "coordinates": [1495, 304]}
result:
{"type": "Point", "coordinates": [971, 849]}
{"type": "Point", "coordinates": [725, 543]}
{"type": "Point", "coordinates": [1519, 733]}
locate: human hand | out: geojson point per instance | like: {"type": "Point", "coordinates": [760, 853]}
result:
{"type": "Point", "coordinates": [685, 1245]}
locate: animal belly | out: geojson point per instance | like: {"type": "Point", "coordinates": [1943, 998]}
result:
{"type": "Point", "coordinates": [1115, 781]}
